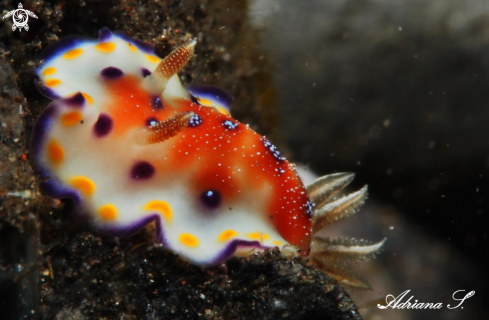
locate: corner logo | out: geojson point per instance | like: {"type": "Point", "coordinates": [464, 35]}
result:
{"type": "Point", "coordinates": [20, 17]}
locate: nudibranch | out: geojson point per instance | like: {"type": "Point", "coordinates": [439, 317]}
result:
{"type": "Point", "coordinates": [131, 146]}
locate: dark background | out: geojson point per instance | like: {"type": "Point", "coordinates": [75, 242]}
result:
{"type": "Point", "coordinates": [396, 91]}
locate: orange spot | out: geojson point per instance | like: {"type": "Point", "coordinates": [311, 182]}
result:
{"type": "Point", "coordinates": [87, 97]}
{"type": "Point", "coordinates": [73, 53]}
{"type": "Point", "coordinates": [71, 118]}
{"type": "Point", "coordinates": [105, 46]}
{"type": "Point", "coordinates": [162, 206]}
{"type": "Point", "coordinates": [226, 235]}
{"type": "Point", "coordinates": [258, 236]}
{"type": "Point", "coordinates": [108, 212]}
{"type": "Point", "coordinates": [55, 152]}
{"type": "Point", "coordinates": [278, 243]}
{"type": "Point", "coordinates": [48, 71]}
{"type": "Point", "coordinates": [24, 157]}
{"type": "Point", "coordinates": [84, 185]}
{"type": "Point", "coordinates": [133, 48]}
{"type": "Point", "coordinates": [152, 58]}
{"type": "Point", "coordinates": [52, 82]}
{"type": "Point", "coordinates": [189, 240]}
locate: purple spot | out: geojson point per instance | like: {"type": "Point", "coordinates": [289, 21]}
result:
{"type": "Point", "coordinates": [211, 198]}
{"type": "Point", "coordinates": [145, 72]}
{"type": "Point", "coordinates": [309, 208]}
{"type": "Point", "coordinates": [273, 150]}
{"type": "Point", "coordinates": [195, 121]}
{"type": "Point", "coordinates": [150, 121]}
{"type": "Point", "coordinates": [75, 101]}
{"type": "Point", "coordinates": [142, 170]}
{"type": "Point", "coordinates": [157, 103]}
{"type": "Point", "coordinates": [112, 73]}
{"type": "Point", "coordinates": [103, 126]}
{"type": "Point", "coordinates": [230, 125]}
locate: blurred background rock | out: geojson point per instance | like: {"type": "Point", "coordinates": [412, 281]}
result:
{"type": "Point", "coordinates": [396, 91]}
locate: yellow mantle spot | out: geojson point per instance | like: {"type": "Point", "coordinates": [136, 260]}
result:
{"type": "Point", "coordinates": [48, 71]}
{"type": "Point", "coordinates": [133, 48]}
{"type": "Point", "coordinates": [55, 152]}
{"type": "Point", "coordinates": [222, 110]}
{"type": "Point", "coordinates": [189, 240]}
{"type": "Point", "coordinates": [162, 206]}
{"type": "Point", "coordinates": [105, 46]}
{"type": "Point", "coordinates": [72, 54]}
{"type": "Point", "coordinates": [84, 185]}
{"type": "Point", "coordinates": [258, 236]}
{"type": "Point", "coordinates": [71, 118]}
{"type": "Point", "coordinates": [87, 97]}
{"type": "Point", "coordinates": [278, 243]}
{"type": "Point", "coordinates": [226, 235]}
{"type": "Point", "coordinates": [152, 58]}
{"type": "Point", "coordinates": [108, 212]}
{"type": "Point", "coordinates": [205, 102]}
{"type": "Point", "coordinates": [52, 82]}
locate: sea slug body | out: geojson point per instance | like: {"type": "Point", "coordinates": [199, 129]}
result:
{"type": "Point", "coordinates": [131, 146]}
